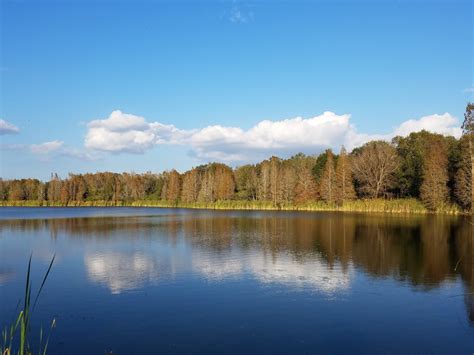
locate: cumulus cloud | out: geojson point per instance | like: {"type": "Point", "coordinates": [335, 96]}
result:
{"type": "Point", "coordinates": [8, 128]}
{"type": "Point", "coordinates": [122, 132]}
{"type": "Point", "coordinates": [443, 124]}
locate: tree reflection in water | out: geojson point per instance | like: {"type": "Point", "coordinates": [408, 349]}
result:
{"type": "Point", "coordinates": [316, 250]}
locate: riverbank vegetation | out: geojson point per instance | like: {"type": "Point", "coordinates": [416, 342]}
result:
{"type": "Point", "coordinates": [423, 172]}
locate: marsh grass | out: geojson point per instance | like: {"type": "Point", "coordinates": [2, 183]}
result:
{"type": "Point", "coordinates": [407, 206]}
{"type": "Point", "coordinates": [22, 322]}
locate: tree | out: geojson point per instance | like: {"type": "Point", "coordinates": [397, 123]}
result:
{"type": "Point", "coordinates": [463, 184]}
{"type": "Point", "coordinates": [411, 150]}
{"type": "Point", "coordinates": [468, 130]}
{"type": "Point", "coordinates": [374, 166]}
{"type": "Point", "coordinates": [246, 181]}
{"type": "Point", "coordinates": [269, 187]}
{"type": "Point", "coordinates": [17, 191]}
{"type": "Point", "coordinates": [305, 188]}
{"type": "Point", "coordinates": [191, 185]}
{"type": "Point", "coordinates": [327, 184]}
{"type": "Point", "coordinates": [344, 184]}
{"type": "Point", "coordinates": [434, 189]}
{"type": "Point", "coordinates": [54, 188]}
{"type": "Point", "coordinates": [224, 182]}
{"type": "Point", "coordinates": [171, 186]}
{"type": "Point", "coordinates": [287, 181]}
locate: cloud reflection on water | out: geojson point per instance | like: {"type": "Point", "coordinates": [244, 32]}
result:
{"type": "Point", "coordinates": [122, 271]}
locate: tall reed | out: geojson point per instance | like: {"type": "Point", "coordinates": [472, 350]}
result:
{"type": "Point", "coordinates": [23, 321]}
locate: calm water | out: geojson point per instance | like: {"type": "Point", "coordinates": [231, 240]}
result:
{"type": "Point", "coordinates": [144, 280]}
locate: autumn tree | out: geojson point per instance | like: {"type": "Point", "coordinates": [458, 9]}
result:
{"type": "Point", "coordinates": [468, 131]}
{"type": "Point", "coordinates": [434, 189]}
{"type": "Point", "coordinates": [264, 181]}
{"type": "Point", "coordinates": [327, 184]}
{"type": "Point", "coordinates": [54, 188]}
{"type": "Point", "coordinates": [191, 185]}
{"type": "Point", "coordinates": [17, 191]}
{"type": "Point", "coordinates": [3, 189]}
{"type": "Point", "coordinates": [287, 182]}
{"type": "Point", "coordinates": [224, 182]}
{"type": "Point", "coordinates": [344, 185]}
{"type": "Point", "coordinates": [305, 184]}
{"type": "Point", "coordinates": [171, 186]}
{"type": "Point", "coordinates": [374, 166]}
{"type": "Point", "coordinates": [463, 185]}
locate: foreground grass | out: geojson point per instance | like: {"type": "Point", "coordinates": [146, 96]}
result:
{"type": "Point", "coordinates": [22, 323]}
{"type": "Point", "coordinates": [376, 205]}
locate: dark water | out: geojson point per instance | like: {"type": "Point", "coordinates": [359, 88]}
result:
{"type": "Point", "coordinates": [142, 280]}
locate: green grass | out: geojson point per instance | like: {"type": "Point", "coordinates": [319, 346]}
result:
{"type": "Point", "coordinates": [362, 205]}
{"type": "Point", "coordinates": [22, 323]}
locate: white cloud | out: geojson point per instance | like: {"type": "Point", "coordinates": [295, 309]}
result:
{"type": "Point", "coordinates": [469, 90]}
{"type": "Point", "coordinates": [122, 132]}
{"type": "Point", "coordinates": [8, 128]}
{"type": "Point", "coordinates": [46, 147]}
{"type": "Point", "coordinates": [443, 124]}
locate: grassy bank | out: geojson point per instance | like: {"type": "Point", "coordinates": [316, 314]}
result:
{"type": "Point", "coordinates": [377, 205]}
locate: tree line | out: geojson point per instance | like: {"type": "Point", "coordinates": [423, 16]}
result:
{"type": "Point", "coordinates": [434, 168]}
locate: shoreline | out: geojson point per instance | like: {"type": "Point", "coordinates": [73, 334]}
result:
{"type": "Point", "coordinates": [395, 206]}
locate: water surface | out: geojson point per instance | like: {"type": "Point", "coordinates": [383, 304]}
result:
{"type": "Point", "coordinates": [149, 280]}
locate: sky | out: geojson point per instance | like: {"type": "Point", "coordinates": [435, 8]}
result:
{"type": "Point", "coordinates": [143, 86]}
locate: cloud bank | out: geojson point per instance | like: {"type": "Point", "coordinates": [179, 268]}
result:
{"type": "Point", "coordinates": [8, 128]}
{"type": "Point", "coordinates": [122, 132]}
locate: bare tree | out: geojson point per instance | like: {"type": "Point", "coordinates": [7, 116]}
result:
{"type": "Point", "coordinates": [374, 166]}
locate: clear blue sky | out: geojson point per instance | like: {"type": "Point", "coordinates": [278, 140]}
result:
{"type": "Point", "coordinates": [230, 63]}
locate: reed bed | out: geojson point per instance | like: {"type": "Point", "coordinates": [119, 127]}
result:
{"type": "Point", "coordinates": [407, 206]}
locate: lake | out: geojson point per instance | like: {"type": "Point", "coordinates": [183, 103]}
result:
{"type": "Point", "coordinates": [150, 280]}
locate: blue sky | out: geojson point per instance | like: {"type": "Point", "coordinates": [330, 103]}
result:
{"type": "Point", "coordinates": [154, 85]}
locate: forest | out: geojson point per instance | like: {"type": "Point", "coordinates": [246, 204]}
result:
{"type": "Point", "coordinates": [431, 168]}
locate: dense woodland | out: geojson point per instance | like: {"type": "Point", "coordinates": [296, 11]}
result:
{"type": "Point", "coordinates": [430, 167]}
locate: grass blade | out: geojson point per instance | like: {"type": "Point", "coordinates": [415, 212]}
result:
{"type": "Point", "coordinates": [44, 280]}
